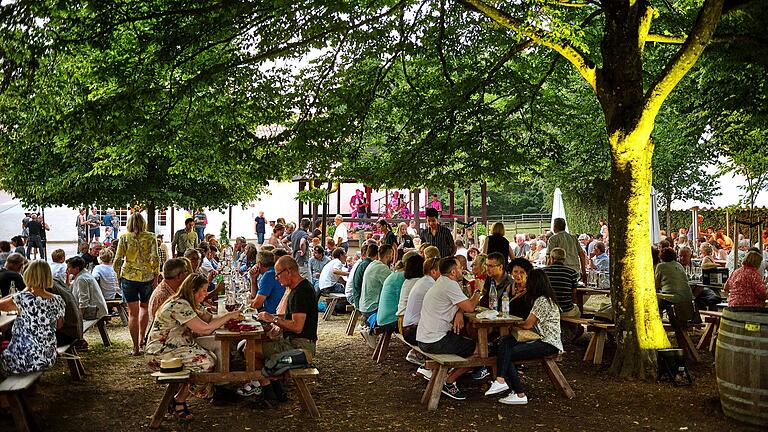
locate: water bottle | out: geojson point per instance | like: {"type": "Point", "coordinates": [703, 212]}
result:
{"type": "Point", "coordinates": [505, 305]}
{"type": "Point", "coordinates": [492, 296]}
{"type": "Point", "coordinates": [12, 289]}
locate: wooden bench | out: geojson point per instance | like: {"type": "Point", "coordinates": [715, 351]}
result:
{"type": "Point", "coordinates": [382, 346]}
{"type": "Point", "coordinates": [711, 327]}
{"type": "Point", "coordinates": [330, 302]}
{"type": "Point", "coordinates": [102, 326]}
{"type": "Point", "coordinates": [299, 377]}
{"type": "Point", "coordinates": [12, 395]}
{"type": "Point", "coordinates": [76, 369]}
{"type": "Point", "coordinates": [600, 332]}
{"type": "Point", "coordinates": [122, 310]}
{"type": "Point", "coordinates": [441, 363]}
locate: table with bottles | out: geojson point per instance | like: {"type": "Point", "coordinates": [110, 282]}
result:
{"type": "Point", "coordinates": [484, 326]}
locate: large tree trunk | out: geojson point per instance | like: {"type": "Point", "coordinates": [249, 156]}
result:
{"type": "Point", "coordinates": [639, 331]}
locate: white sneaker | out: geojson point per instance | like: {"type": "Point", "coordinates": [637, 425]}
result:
{"type": "Point", "coordinates": [514, 399]}
{"type": "Point", "coordinates": [425, 373]}
{"type": "Point", "coordinates": [496, 388]}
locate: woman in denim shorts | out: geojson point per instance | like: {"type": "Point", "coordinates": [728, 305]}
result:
{"type": "Point", "coordinates": [137, 265]}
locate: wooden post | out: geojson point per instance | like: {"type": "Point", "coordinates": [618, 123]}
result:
{"type": "Point", "coordinates": [229, 234]}
{"type": "Point", "coordinates": [173, 222]}
{"type": "Point", "coordinates": [302, 184]}
{"type": "Point", "coordinates": [416, 208]}
{"type": "Point", "coordinates": [338, 200]}
{"type": "Point", "coordinates": [450, 205]}
{"type": "Point", "coordinates": [484, 203]}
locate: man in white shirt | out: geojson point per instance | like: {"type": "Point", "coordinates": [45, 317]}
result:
{"type": "Point", "coordinates": [329, 276]}
{"type": "Point", "coordinates": [442, 319]}
{"type": "Point", "coordinates": [86, 290]}
{"type": "Point", "coordinates": [340, 235]}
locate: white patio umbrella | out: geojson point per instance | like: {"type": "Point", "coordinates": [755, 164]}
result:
{"type": "Point", "coordinates": [655, 226]}
{"type": "Point", "coordinates": [558, 210]}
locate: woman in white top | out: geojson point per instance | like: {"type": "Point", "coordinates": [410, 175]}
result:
{"type": "Point", "coordinates": [544, 319]}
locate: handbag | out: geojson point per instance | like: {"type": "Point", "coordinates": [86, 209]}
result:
{"type": "Point", "coordinates": [523, 335]}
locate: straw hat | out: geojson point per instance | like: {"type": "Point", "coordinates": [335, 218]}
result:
{"type": "Point", "coordinates": [171, 367]}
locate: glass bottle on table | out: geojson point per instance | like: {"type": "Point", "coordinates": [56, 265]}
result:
{"type": "Point", "coordinates": [492, 296]}
{"type": "Point", "coordinates": [505, 305]}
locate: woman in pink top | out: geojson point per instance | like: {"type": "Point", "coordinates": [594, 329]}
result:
{"type": "Point", "coordinates": [745, 286]}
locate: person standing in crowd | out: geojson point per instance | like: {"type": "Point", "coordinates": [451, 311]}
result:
{"type": "Point", "coordinates": [575, 257]}
{"type": "Point", "coordinates": [341, 235]}
{"type": "Point", "coordinates": [438, 235]}
{"type": "Point", "coordinates": [201, 220]}
{"type": "Point", "coordinates": [359, 205]}
{"type": "Point", "coordinates": [435, 204]}
{"type": "Point", "coordinates": [35, 229]}
{"type": "Point", "coordinates": [604, 228]}
{"type": "Point", "coordinates": [137, 266]}
{"type": "Point", "coordinates": [82, 227]}
{"type": "Point", "coordinates": [300, 248]}
{"type": "Point", "coordinates": [94, 222]}
{"type": "Point", "coordinates": [185, 238]}
{"type": "Point", "coordinates": [162, 250]}
{"type": "Point", "coordinates": [260, 227]}
{"type": "Point", "coordinates": [496, 242]}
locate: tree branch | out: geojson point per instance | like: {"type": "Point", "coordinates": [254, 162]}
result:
{"type": "Point", "coordinates": [685, 58]}
{"type": "Point", "coordinates": [440, 51]}
{"type": "Point", "coordinates": [585, 68]}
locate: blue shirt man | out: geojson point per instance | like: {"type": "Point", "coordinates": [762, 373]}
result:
{"type": "Point", "coordinates": [269, 292]}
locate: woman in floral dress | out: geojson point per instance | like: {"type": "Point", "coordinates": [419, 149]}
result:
{"type": "Point", "coordinates": [33, 341]}
{"type": "Point", "coordinates": [172, 336]}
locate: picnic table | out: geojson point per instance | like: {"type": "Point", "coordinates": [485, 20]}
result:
{"type": "Point", "coordinates": [225, 338]}
{"type": "Point", "coordinates": [582, 291]}
{"type": "Point", "coordinates": [484, 326]}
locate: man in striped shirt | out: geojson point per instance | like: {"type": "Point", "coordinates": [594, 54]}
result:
{"type": "Point", "coordinates": [564, 281]}
{"type": "Point", "coordinates": [438, 235]}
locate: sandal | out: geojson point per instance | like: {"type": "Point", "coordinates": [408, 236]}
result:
{"type": "Point", "coordinates": [182, 413]}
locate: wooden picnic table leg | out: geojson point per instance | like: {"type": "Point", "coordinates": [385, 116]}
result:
{"type": "Point", "coordinates": [102, 326]}
{"type": "Point", "coordinates": [306, 398]}
{"type": "Point", "coordinates": [157, 416]}
{"type": "Point", "coordinates": [75, 371]}
{"type": "Point", "coordinates": [590, 354]}
{"type": "Point", "coordinates": [685, 342]}
{"type": "Point", "coordinates": [558, 379]}
{"type": "Point", "coordinates": [715, 331]}
{"type": "Point", "coordinates": [709, 329]}
{"type": "Point", "coordinates": [250, 354]}
{"type": "Point", "coordinates": [437, 387]}
{"type": "Point", "coordinates": [224, 348]}
{"type": "Point", "coordinates": [601, 335]}
{"type": "Point", "coordinates": [482, 341]}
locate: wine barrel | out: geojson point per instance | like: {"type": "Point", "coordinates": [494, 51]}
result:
{"type": "Point", "coordinates": [741, 364]}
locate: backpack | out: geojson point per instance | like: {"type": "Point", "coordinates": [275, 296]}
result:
{"type": "Point", "coordinates": [280, 363]}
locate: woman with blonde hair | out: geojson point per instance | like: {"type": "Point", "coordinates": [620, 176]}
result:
{"type": "Point", "coordinates": [496, 242]}
{"type": "Point", "coordinates": [172, 336]}
{"type": "Point", "coordinates": [137, 266]}
{"type": "Point", "coordinates": [33, 338]}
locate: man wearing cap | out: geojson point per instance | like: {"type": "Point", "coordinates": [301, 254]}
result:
{"type": "Point", "coordinates": [185, 238]}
